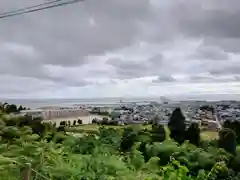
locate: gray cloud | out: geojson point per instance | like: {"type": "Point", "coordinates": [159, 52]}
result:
{"type": "Point", "coordinates": [43, 46]}
{"type": "Point", "coordinates": [228, 69]}
{"type": "Point", "coordinates": [66, 40]}
{"type": "Point", "coordinates": [136, 69]}
{"type": "Point", "coordinates": [164, 79]}
{"type": "Point", "coordinates": [212, 79]}
{"type": "Point", "coordinates": [128, 69]}
{"type": "Point", "coordinates": [215, 21]}
{"type": "Point", "coordinates": [209, 53]}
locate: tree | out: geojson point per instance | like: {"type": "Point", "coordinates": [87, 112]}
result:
{"type": "Point", "coordinates": [61, 128]}
{"type": "Point", "coordinates": [128, 139]}
{"type": "Point", "coordinates": [74, 122]}
{"type": "Point", "coordinates": [94, 121]}
{"type": "Point", "coordinates": [21, 108]}
{"type": "Point", "coordinates": [158, 133]}
{"type": "Point", "coordinates": [12, 108]}
{"type": "Point", "coordinates": [104, 121]}
{"type": "Point", "coordinates": [193, 134]}
{"type": "Point", "coordinates": [177, 126]}
{"type": "Point", "coordinates": [235, 126]}
{"type": "Point", "coordinates": [79, 121]}
{"type": "Point", "coordinates": [54, 124]}
{"type": "Point", "coordinates": [69, 123]}
{"type": "Point", "coordinates": [227, 140]}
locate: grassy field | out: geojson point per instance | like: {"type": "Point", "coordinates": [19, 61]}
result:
{"type": "Point", "coordinates": [91, 128]}
{"type": "Point", "coordinates": [209, 135]}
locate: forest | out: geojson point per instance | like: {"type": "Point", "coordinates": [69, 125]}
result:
{"type": "Point", "coordinates": [34, 150]}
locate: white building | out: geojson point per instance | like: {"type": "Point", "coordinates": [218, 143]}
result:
{"type": "Point", "coordinates": [49, 113]}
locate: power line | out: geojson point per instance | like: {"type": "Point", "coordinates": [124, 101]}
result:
{"type": "Point", "coordinates": [30, 7]}
{"type": "Point", "coordinates": [8, 14]}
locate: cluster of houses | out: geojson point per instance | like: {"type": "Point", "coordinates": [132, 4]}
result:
{"type": "Point", "coordinates": [140, 113]}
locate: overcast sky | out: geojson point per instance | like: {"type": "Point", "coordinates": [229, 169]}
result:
{"type": "Point", "coordinates": [115, 48]}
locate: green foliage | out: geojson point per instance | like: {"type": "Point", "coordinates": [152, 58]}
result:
{"type": "Point", "coordinates": [177, 126]}
{"type": "Point", "coordinates": [193, 134]}
{"type": "Point", "coordinates": [11, 108]}
{"type": "Point", "coordinates": [235, 126]}
{"type": "Point", "coordinates": [129, 137]}
{"type": "Point", "coordinates": [79, 121]}
{"type": "Point", "coordinates": [227, 140]}
{"type": "Point", "coordinates": [158, 133]}
{"type": "Point", "coordinates": [128, 154]}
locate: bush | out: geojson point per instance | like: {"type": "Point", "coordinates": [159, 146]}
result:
{"type": "Point", "coordinates": [163, 150]}
{"type": "Point", "coordinates": [94, 121]}
{"type": "Point", "coordinates": [63, 123]}
{"type": "Point", "coordinates": [109, 153]}
{"type": "Point", "coordinates": [74, 123]}
{"type": "Point", "coordinates": [113, 123]}
{"type": "Point", "coordinates": [227, 140]}
{"type": "Point", "coordinates": [193, 134]}
{"type": "Point", "coordinates": [104, 121]}
{"type": "Point", "coordinates": [128, 139]}
{"type": "Point", "coordinates": [235, 163]}
{"type": "Point", "coordinates": [79, 121]}
{"type": "Point", "coordinates": [235, 126]}
{"type": "Point", "coordinates": [158, 133]}
{"type": "Point", "coordinates": [61, 129]}
{"type": "Point", "coordinates": [177, 126]}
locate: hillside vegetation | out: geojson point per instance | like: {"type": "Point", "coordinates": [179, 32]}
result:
{"type": "Point", "coordinates": [122, 154]}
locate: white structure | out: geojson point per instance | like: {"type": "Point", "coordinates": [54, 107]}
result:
{"type": "Point", "coordinates": [49, 113]}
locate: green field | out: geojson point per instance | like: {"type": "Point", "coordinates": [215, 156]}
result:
{"type": "Point", "coordinates": [93, 128]}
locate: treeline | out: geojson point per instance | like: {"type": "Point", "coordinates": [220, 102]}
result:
{"type": "Point", "coordinates": [228, 136]}
{"type": "Point", "coordinates": [134, 152]}
{"type": "Point", "coordinates": [11, 108]}
{"type": "Point", "coordinates": [68, 123]}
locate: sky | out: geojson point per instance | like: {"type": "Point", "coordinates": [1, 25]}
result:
{"type": "Point", "coordinates": [121, 48]}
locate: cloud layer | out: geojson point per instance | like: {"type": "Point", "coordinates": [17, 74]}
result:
{"type": "Point", "coordinates": [112, 48]}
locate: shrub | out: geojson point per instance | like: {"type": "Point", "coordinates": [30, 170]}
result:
{"type": "Point", "coordinates": [158, 133]}
{"type": "Point", "coordinates": [177, 126]}
{"type": "Point", "coordinates": [74, 122]}
{"type": "Point", "coordinates": [79, 121]}
{"type": "Point", "coordinates": [63, 123]}
{"type": "Point", "coordinates": [94, 121]}
{"type": "Point", "coordinates": [113, 123]}
{"type": "Point", "coordinates": [193, 134]}
{"type": "Point", "coordinates": [61, 128]}
{"type": "Point", "coordinates": [104, 121]}
{"type": "Point", "coordinates": [235, 126]}
{"type": "Point", "coordinates": [235, 163]}
{"type": "Point", "coordinates": [162, 150]}
{"type": "Point", "coordinates": [227, 140]}
{"type": "Point", "coordinates": [128, 139]}
{"type": "Point", "coordinates": [54, 124]}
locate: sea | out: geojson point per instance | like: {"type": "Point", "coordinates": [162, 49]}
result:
{"type": "Point", "coordinates": [109, 102]}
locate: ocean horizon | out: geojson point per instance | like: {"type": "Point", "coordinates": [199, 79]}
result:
{"type": "Point", "coordinates": [37, 103]}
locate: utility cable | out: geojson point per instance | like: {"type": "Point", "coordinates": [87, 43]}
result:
{"type": "Point", "coordinates": [30, 7]}
{"type": "Point", "coordinates": [39, 9]}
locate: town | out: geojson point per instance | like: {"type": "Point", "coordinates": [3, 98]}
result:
{"type": "Point", "coordinates": [207, 114]}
